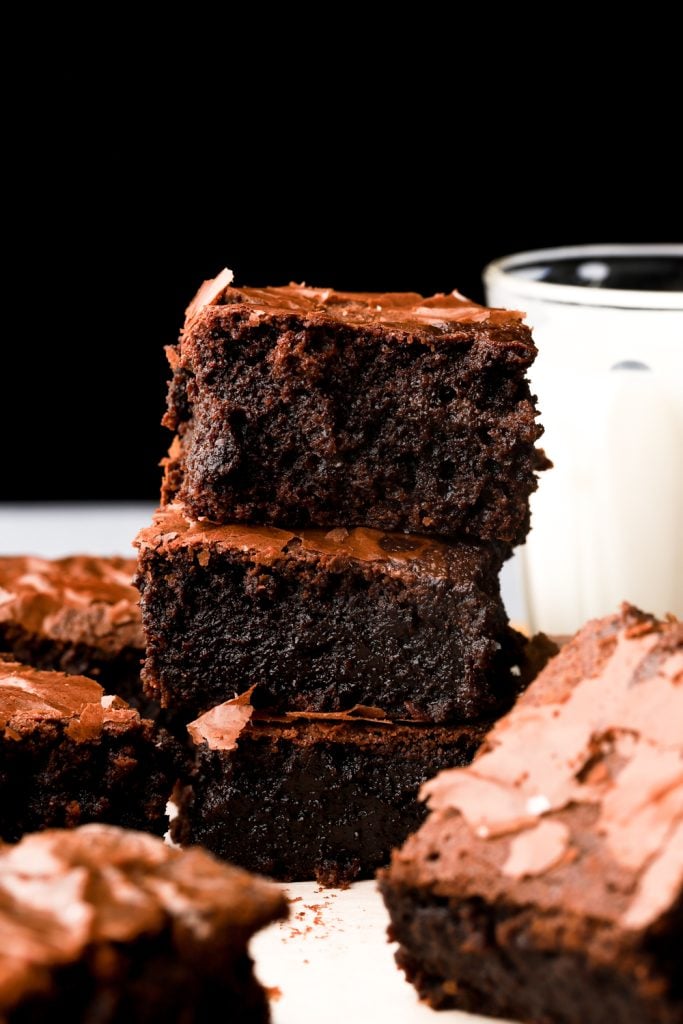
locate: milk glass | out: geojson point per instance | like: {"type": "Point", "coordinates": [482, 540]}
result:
{"type": "Point", "coordinates": [607, 520]}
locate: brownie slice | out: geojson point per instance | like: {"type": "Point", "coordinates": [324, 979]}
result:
{"type": "Point", "coordinates": [105, 926]}
{"type": "Point", "coordinates": [69, 755]}
{"type": "Point", "coordinates": [547, 883]}
{"type": "Point", "coordinates": [301, 795]}
{"type": "Point", "coordinates": [305, 406]}
{"type": "Point", "coordinates": [76, 615]}
{"type": "Point", "coordinates": [320, 621]}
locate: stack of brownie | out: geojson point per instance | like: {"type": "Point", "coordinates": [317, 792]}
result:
{"type": "Point", "coordinates": [320, 592]}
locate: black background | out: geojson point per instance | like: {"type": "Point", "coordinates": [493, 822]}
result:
{"type": "Point", "coordinates": [119, 217]}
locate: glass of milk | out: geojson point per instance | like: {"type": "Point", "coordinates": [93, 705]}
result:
{"type": "Point", "coordinates": [607, 520]}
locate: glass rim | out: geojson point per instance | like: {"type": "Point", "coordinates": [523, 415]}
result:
{"type": "Point", "coordinates": [497, 272]}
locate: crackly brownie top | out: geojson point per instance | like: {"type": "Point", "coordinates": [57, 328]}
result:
{"type": "Point", "coordinates": [63, 891]}
{"type": "Point", "coordinates": [221, 727]}
{"type": "Point", "coordinates": [81, 599]}
{"type": "Point", "coordinates": [172, 529]}
{"type": "Point", "coordinates": [29, 696]}
{"type": "Point", "coordinates": [403, 311]}
{"type": "Point", "coordinates": [576, 802]}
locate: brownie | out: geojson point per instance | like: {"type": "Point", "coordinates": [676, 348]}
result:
{"type": "Point", "coordinates": [306, 406]}
{"type": "Point", "coordinates": [69, 755]}
{"type": "Point", "coordinates": [105, 926]}
{"type": "Point", "coordinates": [299, 795]}
{"type": "Point", "coordinates": [76, 615]}
{"type": "Point", "coordinates": [547, 883]}
{"type": "Point", "coordinates": [320, 621]}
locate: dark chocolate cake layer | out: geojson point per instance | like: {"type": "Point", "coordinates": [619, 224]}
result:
{"type": "Point", "coordinates": [300, 796]}
{"type": "Point", "coordinates": [309, 407]}
{"type": "Point", "coordinates": [320, 621]}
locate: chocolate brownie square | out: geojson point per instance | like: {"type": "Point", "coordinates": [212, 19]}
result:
{"type": "Point", "coordinates": [70, 755]}
{"type": "Point", "coordinates": [298, 796]}
{"type": "Point", "coordinates": [547, 882]}
{"type": "Point", "coordinates": [76, 615]}
{"type": "Point", "coordinates": [310, 407]}
{"type": "Point", "coordinates": [321, 621]}
{"type": "Point", "coordinates": [105, 926]}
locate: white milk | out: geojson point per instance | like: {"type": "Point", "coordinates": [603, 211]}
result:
{"type": "Point", "coordinates": [607, 520]}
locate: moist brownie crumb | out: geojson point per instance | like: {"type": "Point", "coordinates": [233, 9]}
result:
{"type": "Point", "coordinates": [306, 406]}
{"type": "Point", "coordinates": [69, 755]}
{"type": "Point", "coordinates": [547, 882]}
{"type": "Point", "coordinates": [102, 924]}
{"type": "Point", "coordinates": [322, 620]}
{"type": "Point", "coordinates": [78, 615]}
{"type": "Point", "coordinates": [303, 795]}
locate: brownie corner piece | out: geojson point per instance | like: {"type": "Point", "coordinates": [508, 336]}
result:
{"type": "Point", "coordinates": [305, 406]}
{"type": "Point", "coordinates": [103, 923]}
{"type": "Point", "coordinates": [303, 795]}
{"type": "Point", "coordinates": [69, 754]}
{"type": "Point", "coordinates": [547, 881]}
{"type": "Point", "coordinates": [323, 620]}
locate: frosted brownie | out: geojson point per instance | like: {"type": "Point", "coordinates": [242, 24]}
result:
{"type": "Point", "coordinates": [69, 755]}
{"type": "Point", "coordinates": [102, 924]}
{"type": "Point", "coordinates": [306, 406]}
{"type": "Point", "coordinates": [547, 882]}
{"type": "Point", "coordinates": [76, 615]}
{"type": "Point", "coordinates": [299, 796]}
{"type": "Point", "coordinates": [321, 620]}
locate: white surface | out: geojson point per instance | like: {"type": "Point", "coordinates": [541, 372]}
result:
{"type": "Point", "coordinates": [54, 530]}
{"type": "Point", "coordinates": [606, 520]}
{"type": "Point", "coordinates": [331, 963]}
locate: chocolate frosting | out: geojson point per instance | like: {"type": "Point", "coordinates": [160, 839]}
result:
{"type": "Point", "coordinates": [64, 891]}
{"type": "Point", "coordinates": [29, 696]}
{"type": "Point", "coordinates": [582, 782]}
{"type": "Point", "coordinates": [405, 311]}
{"type": "Point", "coordinates": [80, 599]}
{"type": "Point", "coordinates": [172, 529]}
